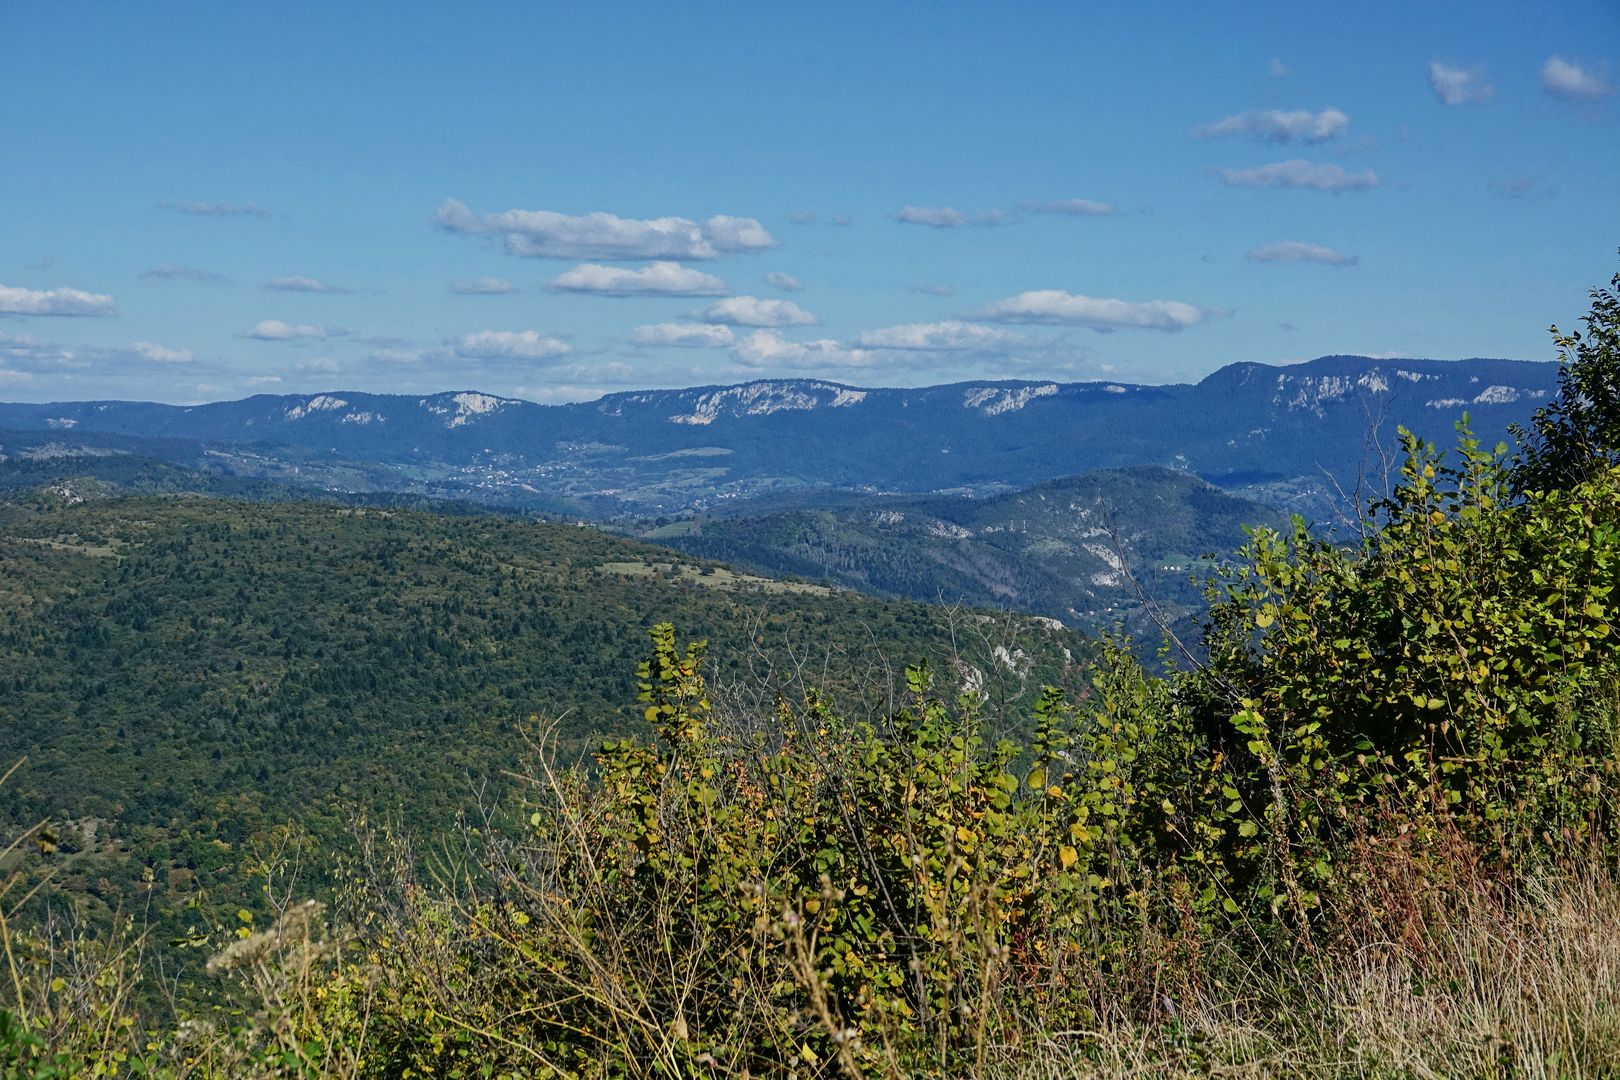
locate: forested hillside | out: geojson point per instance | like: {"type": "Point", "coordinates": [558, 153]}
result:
{"type": "Point", "coordinates": [1114, 548]}
{"type": "Point", "coordinates": [187, 676]}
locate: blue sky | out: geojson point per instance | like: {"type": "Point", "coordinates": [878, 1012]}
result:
{"type": "Point", "coordinates": [203, 201]}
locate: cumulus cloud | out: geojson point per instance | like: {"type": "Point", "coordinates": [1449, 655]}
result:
{"type": "Point", "coordinates": [1300, 174]}
{"type": "Point", "coordinates": [1300, 251]}
{"type": "Point", "coordinates": [36, 355]}
{"type": "Point", "coordinates": [729, 233]}
{"type": "Point", "coordinates": [1078, 207]}
{"type": "Point", "coordinates": [656, 279]}
{"type": "Point", "coordinates": [752, 311]}
{"type": "Point", "coordinates": [683, 335]}
{"type": "Point", "coordinates": [950, 335]}
{"type": "Point", "coordinates": [276, 330]}
{"type": "Point", "coordinates": [30, 352]}
{"type": "Point", "coordinates": [840, 219]}
{"type": "Point", "coordinates": [154, 353]}
{"type": "Point", "coordinates": [394, 355]}
{"type": "Point", "coordinates": [1055, 307]}
{"type": "Point", "coordinates": [936, 217]}
{"type": "Point", "coordinates": [785, 282]}
{"type": "Point", "coordinates": [1566, 79]}
{"type": "Point", "coordinates": [511, 345]}
{"type": "Point", "coordinates": [1279, 126]}
{"type": "Point", "coordinates": [216, 209]}
{"type": "Point", "coordinates": [262, 380]}
{"type": "Point", "coordinates": [764, 348]}
{"type": "Point", "coordinates": [547, 234]}
{"type": "Point", "coordinates": [1454, 85]}
{"type": "Point", "coordinates": [64, 302]}
{"type": "Point", "coordinates": [304, 284]}
{"type": "Point", "coordinates": [484, 286]}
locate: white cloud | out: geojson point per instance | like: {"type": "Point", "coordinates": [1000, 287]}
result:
{"type": "Point", "coordinates": [1053, 306]}
{"type": "Point", "coordinates": [785, 282]}
{"type": "Point", "coordinates": [840, 219]}
{"type": "Point", "coordinates": [729, 233]}
{"type": "Point", "coordinates": [262, 380]}
{"type": "Point", "coordinates": [216, 209]}
{"type": "Point", "coordinates": [1276, 68]}
{"type": "Point", "coordinates": [547, 234]}
{"type": "Point", "coordinates": [937, 217]}
{"type": "Point", "coordinates": [932, 288]}
{"type": "Point", "coordinates": [304, 284]}
{"type": "Point", "coordinates": [511, 345]}
{"type": "Point", "coordinates": [1568, 80]}
{"type": "Point", "coordinates": [1300, 251]}
{"type": "Point", "coordinates": [276, 330]}
{"type": "Point", "coordinates": [657, 279]}
{"type": "Point", "coordinates": [767, 347]}
{"type": "Point", "coordinates": [182, 273]}
{"type": "Point", "coordinates": [802, 217]}
{"type": "Point", "coordinates": [323, 364]}
{"type": "Point", "coordinates": [1278, 126]}
{"type": "Point", "coordinates": [65, 302]}
{"type": "Point", "coordinates": [1455, 85]}
{"type": "Point", "coordinates": [752, 311]}
{"type": "Point", "coordinates": [684, 335]}
{"type": "Point", "coordinates": [484, 286]}
{"type": "Point", "coordinates": [950, 335]}
{"type": "Point", "coordinates": [388, 354]}
{"type": "Point", "coordinates": [159, 354]}
{"type": "Point", "coordinates": [1078, 207]}
{"type": "Point", "coordinates": [33, 354]}
{"type": "Point", "coordinates": [1300, 174]}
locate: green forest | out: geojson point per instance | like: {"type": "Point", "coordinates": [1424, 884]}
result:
{"type": "Point", "coordinates": [1373, 833]}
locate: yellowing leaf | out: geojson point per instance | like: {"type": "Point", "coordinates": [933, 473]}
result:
{"type": "Point", "coordinates": [1068, 856]}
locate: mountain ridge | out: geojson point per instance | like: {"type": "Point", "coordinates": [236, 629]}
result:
{"type": "Point", "coordinates": [1271, 430]}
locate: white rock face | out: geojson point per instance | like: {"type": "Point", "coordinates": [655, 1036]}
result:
{"type": "Point", "coordinates": [995, 400]}
{"type": "Point", "coordinates": [1114, 576]}
{"type": "Point", "coordinates": [465, 407]}
{"type": "Point", "coordinates": [1497, 395]}
{"type": "Point", "coordinates": [764, 398]}
{"type": "Point", "coordinates": [1015, 661]}
{"type": "Point", "coordinates": [318, 403]}
{"type": "Point", "coordinates": [363, 418]}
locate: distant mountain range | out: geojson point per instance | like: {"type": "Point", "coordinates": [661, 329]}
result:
{"type": "Point", "coordinates": [1290, 435]}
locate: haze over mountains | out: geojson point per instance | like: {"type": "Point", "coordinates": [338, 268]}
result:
{"type": "Point", "coordinates": [1278, 433]}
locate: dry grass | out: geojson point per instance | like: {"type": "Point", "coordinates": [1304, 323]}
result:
{"type": "Point", "coordinates": [1523, 986]}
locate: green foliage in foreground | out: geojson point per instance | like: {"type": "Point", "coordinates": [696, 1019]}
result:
{"type": "Point", "coordinates": [1383, 819]}
{"type": "Point", "coordinates": [1381, 736]}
